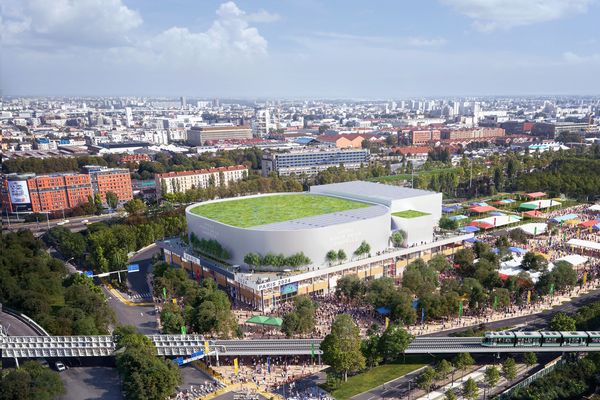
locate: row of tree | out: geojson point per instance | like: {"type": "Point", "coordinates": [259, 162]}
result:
{"type": "Point", "coordinates": [34, 283]}
{"type": "Point", "coordinates": [201, 307]}
{"type": "Point", "coordinates": [277, 260]}
{"type": "Point", "coordinates": [210, 247]}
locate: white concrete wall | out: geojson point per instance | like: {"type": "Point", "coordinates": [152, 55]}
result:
{"type": "Point", "coordinates": [315, 242]}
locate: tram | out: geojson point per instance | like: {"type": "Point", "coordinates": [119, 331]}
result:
{"type": "Point", "coordinates": [541, 339]}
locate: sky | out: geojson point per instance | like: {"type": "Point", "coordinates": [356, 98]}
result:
{"type": "Point", "coordinates": [377, 49]}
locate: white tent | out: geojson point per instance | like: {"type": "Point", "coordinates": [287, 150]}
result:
{"type": "Point", "coordinates": [574, 259]}
{"type": "Point", "coordinates": [584, 244]}
{"type": "Point", "coordinates": [534, 228]}
{"type": "Point", "coordinates": [595, 208]}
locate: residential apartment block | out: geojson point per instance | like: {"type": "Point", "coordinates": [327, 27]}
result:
{"type": "Point", "coordinates": [62, 191]}
{"type": "Point", "coordinates": [311, 162]}
{"type": "Point", "coordinates": [178, 182]}
{"type": "Point", "coordinates": [116, 180]}
{"type": "Point", "coordinates": [198, 136]}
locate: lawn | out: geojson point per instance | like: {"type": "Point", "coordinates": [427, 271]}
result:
{"type": "Point", "coordinates": [410, 214]}
{"type": "Point", "coordinates": [254, 211]}
{"type": "Point", "coordinates": [377, 376]}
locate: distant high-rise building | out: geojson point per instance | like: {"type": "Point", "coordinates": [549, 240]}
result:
{"type": "Point", "coordinates": [183, 102]}
{"type": "Point", "coordinates": [262, 122]}
{"type": "Point", "coordinates": [128, 117]}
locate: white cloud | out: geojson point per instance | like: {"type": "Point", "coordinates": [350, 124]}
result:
{"type": "Point", "coordinates": [490, 15]}
{"type": "Point", "coordinates": [66, 22]}
{"type": "Point", "coordinates": [262, 16]}
{"type": "Point", "coordinates": [573, 58]}
{"type": "Point", "coordinates": [410, 41]}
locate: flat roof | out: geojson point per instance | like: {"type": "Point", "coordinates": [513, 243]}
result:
{"type": "Point", "coordinates": [379, 191]}
{"type": "Point", "coordinates": [274, 209]}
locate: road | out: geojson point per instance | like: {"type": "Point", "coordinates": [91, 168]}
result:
{"type": "Point", "coordinates": [535, 321]}
{"type": "Point", "coordinates": [14, 326]}
{"type": "Point", "coordinates": [75, 224]}
{"type": "Point", "coordinates": [83, 383]}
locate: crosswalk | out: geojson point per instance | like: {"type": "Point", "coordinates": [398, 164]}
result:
{"type": "Point", "coordinates": [140, 296]}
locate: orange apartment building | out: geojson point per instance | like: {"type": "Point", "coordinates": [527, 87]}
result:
{"type": "Point", "coordinates": [424, 136]}
{"type": "Point", "coordinates": [61, 191]}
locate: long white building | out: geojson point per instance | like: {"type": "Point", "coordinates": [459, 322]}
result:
{"type": "Point", "coordinates": [178, 182]}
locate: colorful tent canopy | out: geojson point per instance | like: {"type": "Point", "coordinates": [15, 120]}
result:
{"type": "Point", "coordinates": [594, 208]}
{"type": "Point", "coordinates": [539, 204]}
{"type": "Point", "coordinates": [264, 320]}
{"type": "Point", "coordinates": [482, 209]}
{"type": "Point", "coordinates": [383, 310]}
{"type": "Point", "coordinates": [535, 195]}
{"type": "Point", "coordinates": [534, 228]}
{"type": "Point", "coordinates": [504, 201]}
{"type": "Point", "coordinates": [481, 225]}
{"type": "Point", "coordinates": [479, 204]}
{"type": "Point", "coordinates": [589, 223]}
{"type": "Point", "coordinates": [497, 214]}
{"type": "Point", "coordinates": [472, 240]}
{"type": "Point", "coordinates": [533, 213]}
{"type": "Point", "coordinates": [452, 208]}
{"type": "Point", "coordinates": [517, 250]}
{"type": "Point", "coordinates": [573, 222]}
{"type": "Point", "coordinates": [458, 217]}
{"type": "Point", "coordinates": [469, 229]}
{"type": "Point", "coordinates": [563, 218]}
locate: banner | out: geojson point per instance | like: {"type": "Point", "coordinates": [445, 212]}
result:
{"type": "Point", "coordinates": [269, 364]}
{"type": "Point", "coordinates": [460, 309]}
{"type": "Point", "coordinates": [552, 289]}
{"type": "Point", "coordinates": [528, 296]}
{"type": "Point", "coordinates": [206, 347]}
{"type": "Point", "coordinates": [165, 293]}
{"type": "Point", "coordinates": [19, 192]}
{"type": "Point", "coordinates": [422, 315]}
{"type": "Point", "coordinates": [174, 300]}
{"type": "Point", "coordinates": [495, 302]}
{"type": "Point", "coordinates": [312, 350]}
{"type": "Point", "coordinates": [387, 322]}
{"type": "Point", "coordinates": [235, 366]}
{"type": "Point", "coordinates": [584, 278]}
{"type": "Point", "coordinates": [183, 330]}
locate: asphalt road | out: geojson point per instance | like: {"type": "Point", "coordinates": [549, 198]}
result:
{"type": "Point", "coordinates": [14, 326]}
{"type": "Point", "coordinates": [74, 224]}
{"type": "Point", "coordinates": [536, 321]}
{"type": "Point", "coordinates": [83, 383]}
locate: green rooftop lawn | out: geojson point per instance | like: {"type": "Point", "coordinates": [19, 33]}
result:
{"type": "Point", "coordinates": [409, 214]}
{"type": "Point", "coordinates": [245, 213]}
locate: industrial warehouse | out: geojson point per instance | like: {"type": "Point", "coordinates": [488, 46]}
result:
{"type": "Point", "coordinates": [266, 248]}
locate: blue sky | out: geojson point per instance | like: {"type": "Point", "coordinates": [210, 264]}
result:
{"type": "Point", "coordinates": [300, 48]}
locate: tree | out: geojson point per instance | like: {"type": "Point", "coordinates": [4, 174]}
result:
{"type": "Point", "coordinates": [492, 376]}
{"type": "Point", "coordinates": [450, 395]}
{"type": "Point", "coordinates": [398, 238]}
{"type": "Point", "coordinates": [471, 391]}
{"type": "Point", "coordinates": [341, 256]}
{"type": "Point", "coordinates": [112, 200]}
{"type": "Point", "coordinates": [393, 342]}
{"type": "Point", "coordinates": [302, 319]}
{"type": "Point", "coordinates": [530, 359]}
{"type": "Point", "coordinates": [135, 207]}
{"type": "Point", "coordinates": [32, 381]}
{"type": "Point", "coordinates": [171, 318]}
{"type": "Point", "coordinates": [425, 380]}
{"type": "Point", "coordinates": [370, 350]}
{"type": "Point", "coordinates": [442, 369]}
{"type": "Point", "coordinates": [509, 369]}
{"type": "Point", "coordinates": [350, 287]}
{"type": "Point", "coordinates": [341, 347]}
{"type": "Point", "coordinates": [463, 361]}
{"type": "Point", "coordinates": [448, 224]}
{"type": "Point", "coordinates": [562, 322]}
{"type": "Point", "coordinates": [534, 262]}
{"type": "Point", "coordinates": [331, 256]}
{"type": "Point", "coordinates": [364, 248]}
{"type": "Point", "coordinates": [144, 375]}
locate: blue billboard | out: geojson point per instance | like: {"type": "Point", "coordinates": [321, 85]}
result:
{"type": "Point", "coordinates": [289, 288]}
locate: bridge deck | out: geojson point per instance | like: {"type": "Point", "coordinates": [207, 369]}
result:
{"type": "Point", "coordinates": [185, 345]}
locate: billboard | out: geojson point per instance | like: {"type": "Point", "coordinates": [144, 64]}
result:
{"type": "Point", "coordinates": [289, 288]}
{"type": "Point", "coordinates": [19, 192]}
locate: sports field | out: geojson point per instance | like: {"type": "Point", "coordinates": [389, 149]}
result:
{"type": "Point", "coordinates": [254, 211]}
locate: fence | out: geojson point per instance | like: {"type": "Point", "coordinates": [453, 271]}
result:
{"type": "Point", "coordinates": [549, 367]}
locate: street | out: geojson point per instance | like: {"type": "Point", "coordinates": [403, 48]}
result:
{"type": "Point", "coordinates": [82, 383]}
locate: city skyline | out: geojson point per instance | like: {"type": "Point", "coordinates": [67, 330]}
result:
{"type": "Point", "coordinates": [299, 49]}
